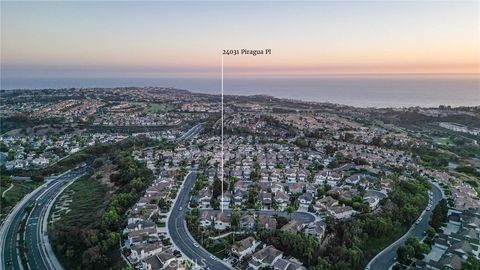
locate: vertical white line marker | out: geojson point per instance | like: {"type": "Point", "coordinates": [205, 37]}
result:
{"type": "Point", "coordinates": [221, 168]}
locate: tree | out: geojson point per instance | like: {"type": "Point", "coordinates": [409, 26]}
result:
{"type": "Point", "coordinates": [290, 209]}
{"type": "Point", "coordinates": [111, 220]}
{"type": "Point", "coordinates": [97, 163]}
{"type": "Point", "coordinates": [217, 187]}
{"type": "Point", "coordinates": [439, 214]}
{"type": "Point", "coordinates": [235, 219]}
{"type": "Point", "coordinates": [163, 204]}
{"type": "Point", "coordinates": [431, 232]}
{"type": "Point", "coordinates": [404, 253]}
{"type": "Point", "coordinates": [155, 217]}
{"type": "Point", "coordinates": [37, 178]}
{"type": "Point", "coordinates": [472, 263]}
{"type": "Point", "coordinates": [397, 267]}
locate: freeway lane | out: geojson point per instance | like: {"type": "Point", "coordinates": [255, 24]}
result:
{"type": "Point", "coordinates": [385, 259]}
{"type": "Point", "coordinates": [181, 237]}
{"type": "Point", "coordinates": [37, 256]}
{"type": "Point", "coordinates": [194, 131]}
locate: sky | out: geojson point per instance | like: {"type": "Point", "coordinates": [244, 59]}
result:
{"type": "Point", "coordinates": [185, 39]}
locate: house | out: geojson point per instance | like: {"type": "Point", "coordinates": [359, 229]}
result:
{"type": "Point", "coordinates": [222, 221]}
{"type": "Point", "coordinates": [316, 229]}
{"type": "Point", "coordinates": [333, 179]}
{"type": "Point", "coordinates": [264, 257]}
{"type": "Point", "coordinates": [267, 222]}
{"type": "Point", "coordinates": [293, 226]}
{"type": "Point", "coordinates": [302, 175]}
{"type": "Point", "coordinates": [305, 199]}
{"type": "Point", "coordinates": [141, 225]}
{"type": "Point", "coordinates": [247, 222]}
{"type": "Point", "coordinates": [152, 263]}
{"type": "Point", "coordinates": [295, 188]}
{"type": "Point", "coordinates": [283, 264]}
{"type": "Point", "coordinates": [321, 177]}
{"type": "Point", "coordinates": [447, 262]}
{"type": "Point", "coordinates": [311, 188]}
{"type": "Point", "coordinates": [341, 212]}
{"type": "Point", "coordinates": [141, 235]}
{"type": "Point", "coordinates": [40, 161]}
{"type": "Point", "coordinates": [206, 219]}
{"type": "Point", "coordinates": [225, 200]}
{"type": "Point", "coordinates": [204, 197]}
{"type": "Point", "coordinates": [459, 241]}
{"type": "Point", "coordinates": [463, 248]}
{"type": "Point", "coordinates": [144, 250]}
{"type": "Point", "coordinates": [276, 187]}
{"type": "Point", "coordinates": [266, 199]}
{"type": "Point", "coordinates": [244, 247]}
{"type": "Point", "coordinates": [372, 201]}
{"type": "Point", "coordinates": [159, 261]}
{"type": "Point", "coordinates": [325, 203]}
{"type": "Point", "coordinates": [152, 192]}
{"type": "Point", "coordinates": [291, 175]}
{"type": "Point", "coordinates": [354, 179]}
{"type": "Point", "coordinates": [326, 176]}
{"type": "Point", "coordinates": [239, 196]}
{"type": "Point", "coordinates": [282, 200]}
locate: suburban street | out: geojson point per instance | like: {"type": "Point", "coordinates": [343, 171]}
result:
{"type": "Point", "coordinates": [179, 233]}
{"type": "Point", "coordinates": [184, 241]}
{"type": "Point", "coordinates": [386, 258]}
{"type": "Point", "coordinates": [38, 255]}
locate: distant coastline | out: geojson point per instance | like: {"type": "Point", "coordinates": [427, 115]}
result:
{"type": "Point", "coordinates": [352, 90]}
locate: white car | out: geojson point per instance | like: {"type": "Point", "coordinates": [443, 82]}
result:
{"type": "Point", "coordinates": [196, 245]}
{"type": "Point", "coordinates": [213, 257]}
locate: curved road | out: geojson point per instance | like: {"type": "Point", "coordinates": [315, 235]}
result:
{"type": "Point", "coordinates": [184, 241]}
{"type": "Point", "coordinates": [180, 235]}
{"type": "Point", "coordinates": [35, 236]}
{"type": "Point", "coordinates": [386, 258]}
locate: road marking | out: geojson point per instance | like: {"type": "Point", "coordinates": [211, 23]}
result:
{"type": "Point", "coordinates": [186, 244]}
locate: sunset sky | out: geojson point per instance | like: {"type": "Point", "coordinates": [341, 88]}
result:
{"type": "Point", "coordinates": [185, 39]}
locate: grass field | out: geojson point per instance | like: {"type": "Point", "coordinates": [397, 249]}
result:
{"type": "Point", "coordinates": [15, 194]}
{"type": "Point", "coordinates": [88, 197]}
{"type": "Point", "coordinates": [159, 108]}
{"type": "Point", "coordinates": [443, 141]}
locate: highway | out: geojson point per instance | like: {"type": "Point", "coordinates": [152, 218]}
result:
{"type": "Point", "coordinates": [386, 258]}
{"type": "Point", "coordinates": [180, 235]}
{"type": "Point", "coordinates": [192, 132]}
{"type": "Point", "coordinates": [38, 253]}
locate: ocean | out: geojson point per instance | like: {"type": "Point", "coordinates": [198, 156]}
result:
{"type": "Point", "coordinates": [353, 90]}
